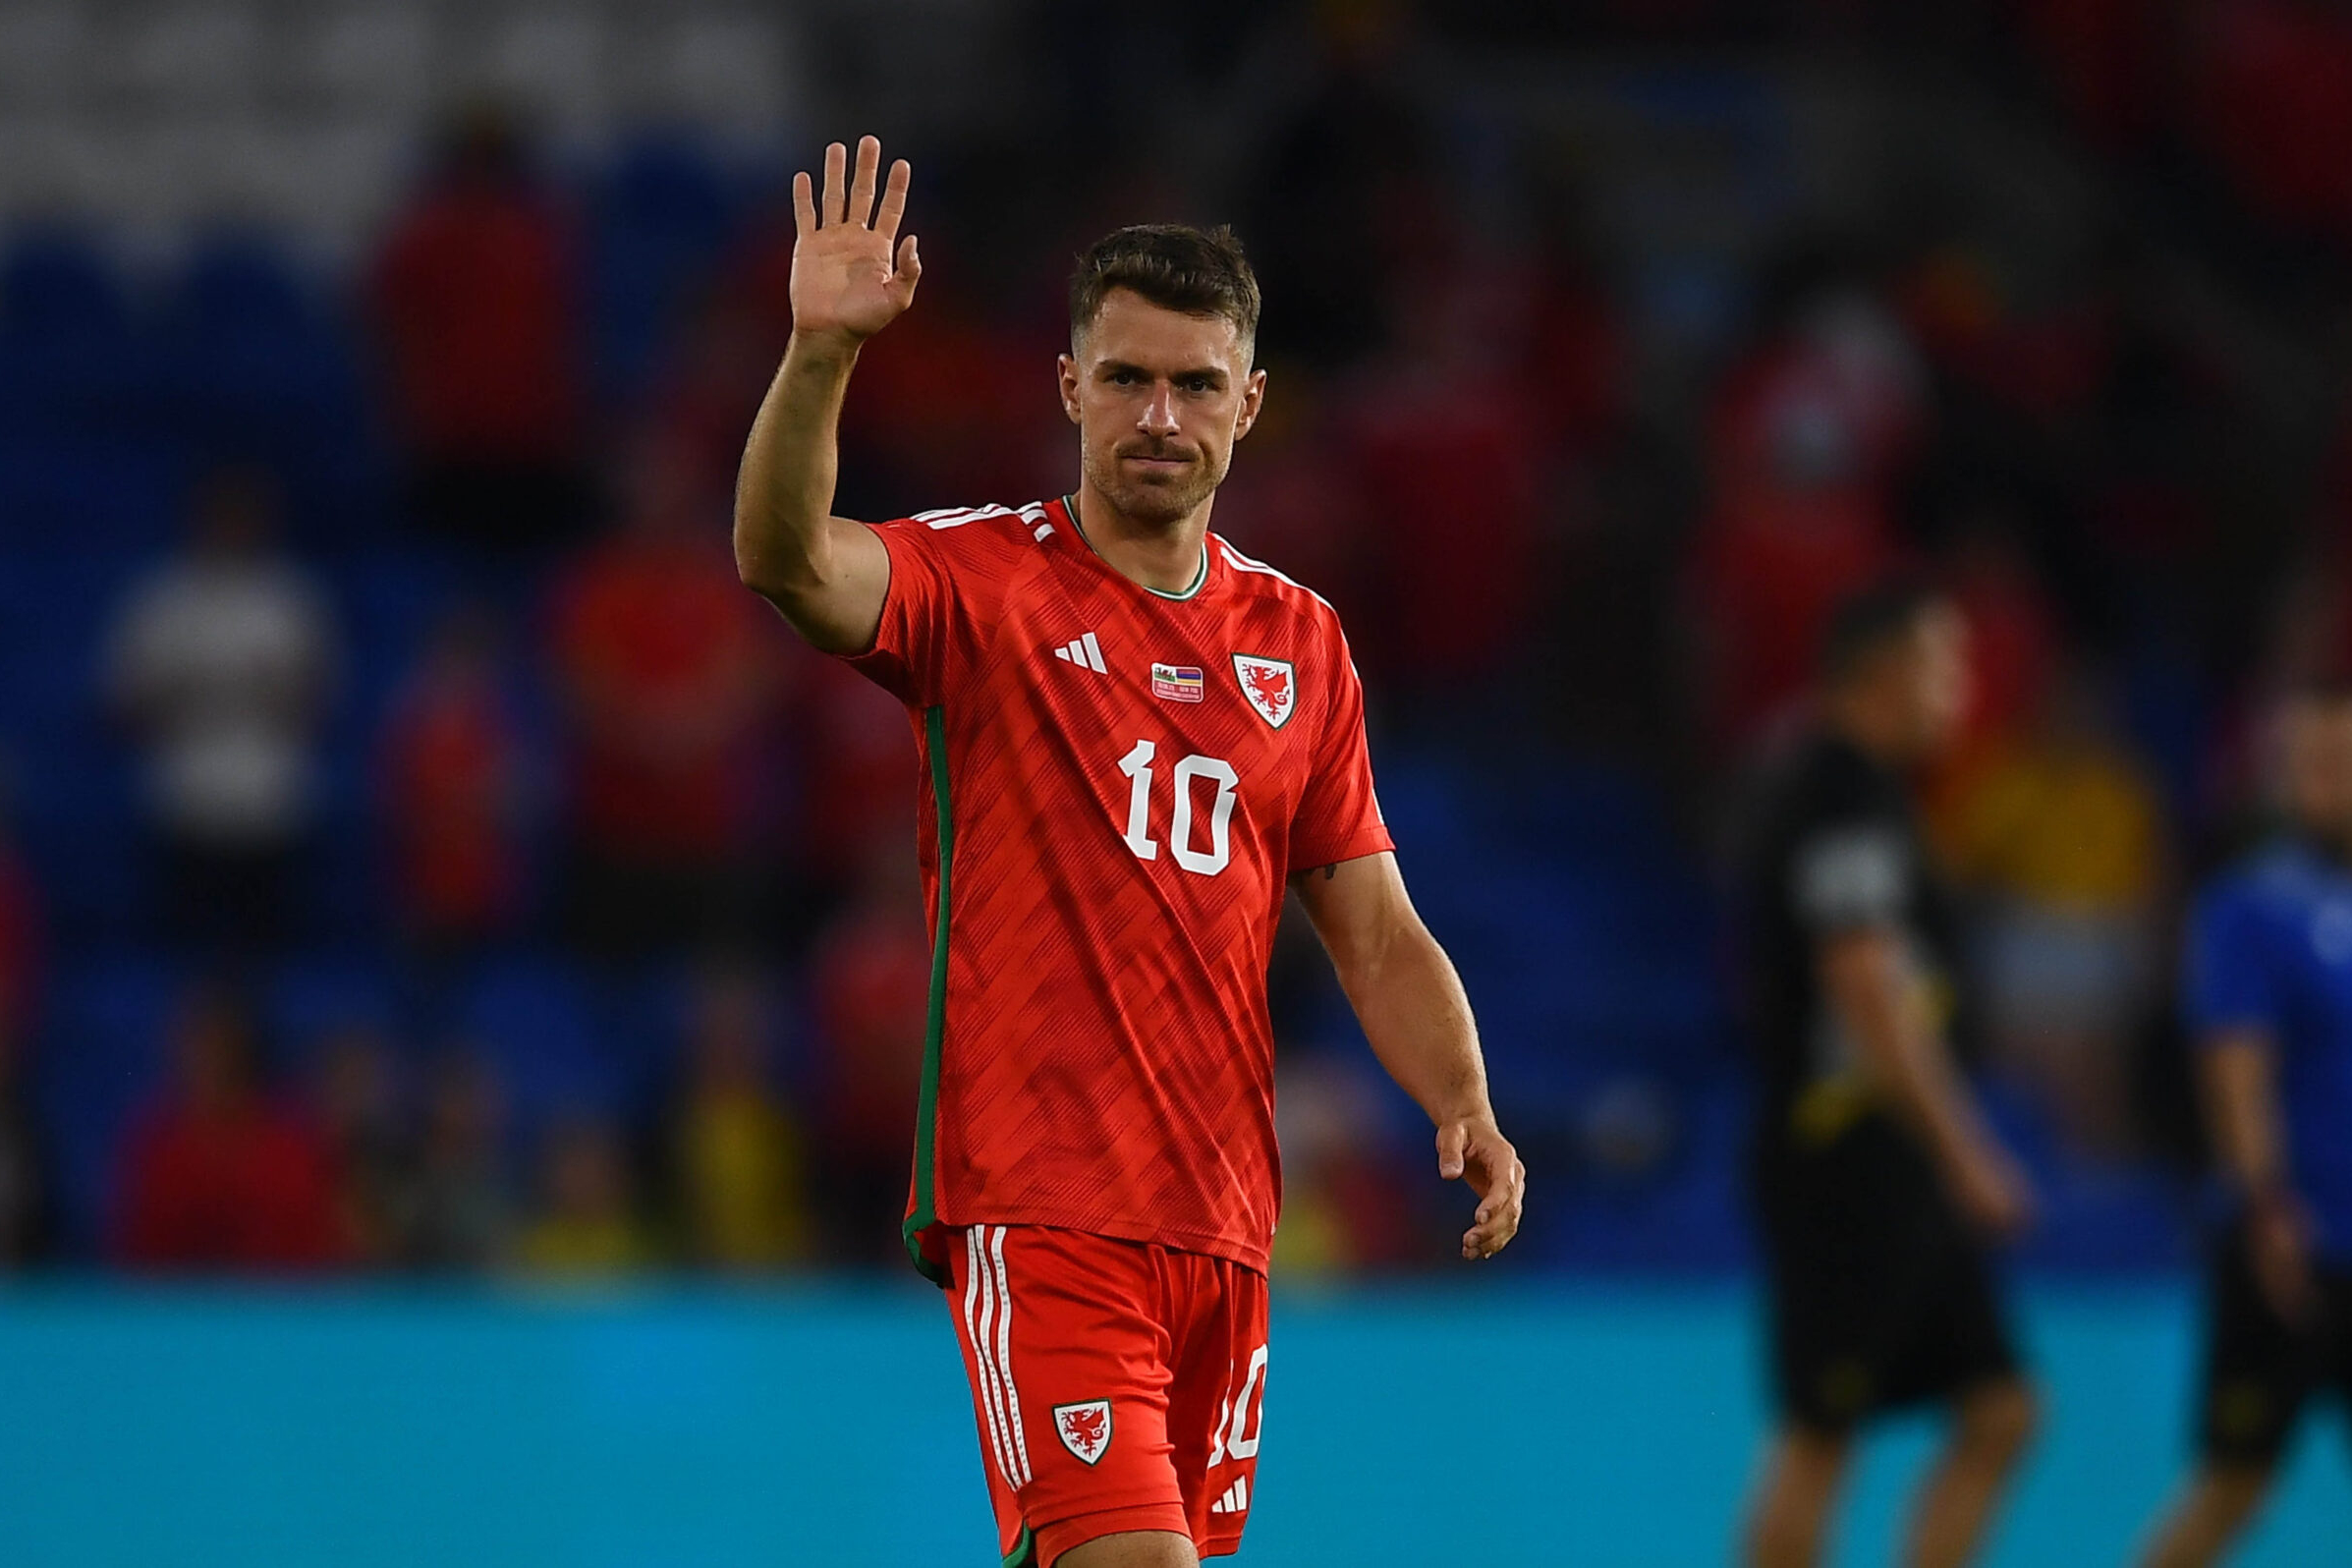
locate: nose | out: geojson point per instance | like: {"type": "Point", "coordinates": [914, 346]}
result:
{"type": "Point", "coordinates": [1159, 418]}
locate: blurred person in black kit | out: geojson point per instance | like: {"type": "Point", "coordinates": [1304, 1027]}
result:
{"type": "Point", "coordinates": [1878, 1184]}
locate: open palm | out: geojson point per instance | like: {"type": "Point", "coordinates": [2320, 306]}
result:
{"type": "Point", "coordinates": [851, 273]}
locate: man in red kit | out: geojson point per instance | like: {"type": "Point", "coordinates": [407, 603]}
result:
{"type": "Point", "coordinates": [1133, 737]}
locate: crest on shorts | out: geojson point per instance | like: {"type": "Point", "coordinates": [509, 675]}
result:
{"type": "Point", "coordinates": [1271, 684]}
{"type": "Point", "coordinates": [1084, 1428]}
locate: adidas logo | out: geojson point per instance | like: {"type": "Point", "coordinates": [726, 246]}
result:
{"type": "Point", "coordinates": [1084, 652]}
{"type": "Point", "coordinates": [1236, 1499]}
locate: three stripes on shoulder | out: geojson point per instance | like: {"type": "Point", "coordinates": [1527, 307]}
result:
{"type": "Point", "coordinates": [955, 517]}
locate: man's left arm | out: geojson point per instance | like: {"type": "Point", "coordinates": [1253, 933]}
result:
{"type": "Point", "coordinates": [1414, 1011]}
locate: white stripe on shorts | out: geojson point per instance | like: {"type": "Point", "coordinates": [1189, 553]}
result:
{"type": "Point", "coordinates": [1004, 1334]}
{"type": "Point", "coordinates": [980, 1299]}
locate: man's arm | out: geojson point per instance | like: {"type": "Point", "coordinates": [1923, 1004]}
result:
{"type": "Point", "coordinates": [2238, 1074]}
{"type": "Point", "coordinates": [851, 277]}
{"type": "Point", "coordinates": [1415, 1013]}
{"type": "Point", "coordinates": [1867, 980]}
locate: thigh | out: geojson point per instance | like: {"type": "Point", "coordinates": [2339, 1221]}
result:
{"type": "Point", "coordinates": [1828, 1348]}
{"type": "Point", "coordinates": [1216, 1406]}
{"type": "Point", "coordinates": [1069, 1360]}
{"type": "Point", "coordinates": [1842, 1301]}
{"type": "Point", "coordinates": [2259, 1369]}
{"type": "Point", "coordinates": [1957, 1335]}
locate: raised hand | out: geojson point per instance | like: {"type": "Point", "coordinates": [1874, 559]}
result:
{"type": "Point", "coordinates": [851, 273]}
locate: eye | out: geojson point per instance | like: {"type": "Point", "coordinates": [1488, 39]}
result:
{"type": "Point", "coordinates": [1197, 383]}
{"type": "Point", "coordinates": [1123, 378]}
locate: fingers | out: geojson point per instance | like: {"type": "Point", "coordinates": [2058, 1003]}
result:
{"type": "Point", "coordinates": [894, 199]}
{"type": "Point", "coordinates": [803, 207]}
{"type": "Point", "coordinates": [1497, 1218]}
{"type": "Point", "coordinates": [1481, 1242]}
{"type": "Point", "coordinates": [862, 183]}
{"type": "Point", "coordinates": [1453, 1140]}
{"type": "Point", "coordinates": [836, 191]}
{"type": "Point", "coordinates": [907, 274]}
{"type": "Point", "coordinates": [1477, 1151]}
{"type": "Point", "coordinates": [849, 194]}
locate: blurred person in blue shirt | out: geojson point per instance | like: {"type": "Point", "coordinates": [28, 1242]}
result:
{"type": "Point", "coordinates": [2268, 1001]}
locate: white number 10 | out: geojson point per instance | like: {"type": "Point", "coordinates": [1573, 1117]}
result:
{"type": "Point", "coordinates": [1137, 766]}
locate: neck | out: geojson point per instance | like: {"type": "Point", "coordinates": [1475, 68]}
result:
{"type": "Point", "coordinates": [1164, 557]}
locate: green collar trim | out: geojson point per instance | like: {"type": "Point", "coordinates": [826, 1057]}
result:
{"type": "Point", "coordinates": [1200, 578]}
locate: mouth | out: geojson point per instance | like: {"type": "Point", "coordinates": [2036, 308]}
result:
{"type": "Point", "coordinates": [1152, 464]}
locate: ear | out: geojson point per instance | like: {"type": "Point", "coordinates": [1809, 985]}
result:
{"type": "Point", "coordinates": [1068, 370]}
{"type": "Point", "coordinates": [1253, 398]}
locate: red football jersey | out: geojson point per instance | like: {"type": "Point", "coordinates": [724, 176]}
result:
{"type": "Point", "coordinates": [1118, 784]}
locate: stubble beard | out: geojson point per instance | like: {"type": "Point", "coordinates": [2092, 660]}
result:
{"type": "Point", "coordinates": [1161, 505]}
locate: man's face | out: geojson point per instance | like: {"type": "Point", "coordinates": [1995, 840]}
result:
{"type": "Point", "coordinates": [2317, 737]}
{"type": "Point", "coordinates": [1158, 398]}
{"type": "Point", "coordinates": [1929, 669]}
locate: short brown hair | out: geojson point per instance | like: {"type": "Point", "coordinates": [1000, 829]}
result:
{"type": "Point", "coordinates": [1173, 265]}
{"type": "Point", "coordinates": [1870, 619]}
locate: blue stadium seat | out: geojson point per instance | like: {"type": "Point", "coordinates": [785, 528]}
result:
{"type": "Point", "coordinates": [1422, 802]}
{"type": "Point", "coordinates": [79, 828]}
{"type": "Point", "coordinates": [313, 996]}
{"type": "Point", "coordinates": [388, 600]}
{"type": "Point", "coordinates": [71, 784]}
{"type": "Point", "coordinates": [57, 285]}
{"type": "Point", "coordinates": [257, 368]}
{"type": "Point", "coordinates": [660, 221]}
{"type": "Point", "coordinates": [70, 492]}
{"type": "Point", "coordinates": [1584, 930]}
{"type": "Point", "coordinates": [71, 359]}
{"type": "Point", "coordinates": [648, 1013]}
{"type": "Point", "coordinates": [535, 1020]}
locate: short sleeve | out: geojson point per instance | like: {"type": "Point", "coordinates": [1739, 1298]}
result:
{"type": "Point", "coordinates": [1339, 815]}
{"type": "Point", "coordinates": [2230, 976]}
{"type": "Point", "coordinates": [909, 656]}
{"type": "Point", "coordinates": [1850, 876]}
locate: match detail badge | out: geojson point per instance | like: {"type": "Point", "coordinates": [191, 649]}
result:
{"type": "Point", "coordinates": [1178, 683]}
{"type": "Point", "coordinates": [1271, 684]}
{"type": "Point", "coordinates": [1084, 1428]}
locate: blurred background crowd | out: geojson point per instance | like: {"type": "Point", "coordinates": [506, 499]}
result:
{"type": "Point", "coordinates": [417, 851]}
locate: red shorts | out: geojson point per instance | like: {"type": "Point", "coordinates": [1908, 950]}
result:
{"type": "Point", "coordinates": [1119, 1386]}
